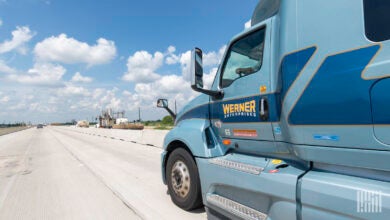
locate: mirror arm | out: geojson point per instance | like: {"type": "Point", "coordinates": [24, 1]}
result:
{"type": "Point", "coordinates": [216, 94]}
{"type": "Point", "coordinates": [173, 115]}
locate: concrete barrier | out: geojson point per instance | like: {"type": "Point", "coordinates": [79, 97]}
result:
{"type": "Point", "coordinates": [146, 136]}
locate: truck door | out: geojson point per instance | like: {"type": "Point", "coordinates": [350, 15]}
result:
{"type": "Point", "coordinates": [245, 112]}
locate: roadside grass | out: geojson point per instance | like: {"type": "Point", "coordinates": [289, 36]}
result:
{"type": "Point", "coordinates": [163, 127]}
{"type": "Point", "coordinates": [4, 131]}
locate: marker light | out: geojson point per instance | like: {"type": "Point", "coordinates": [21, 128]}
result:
{"type": "Point", "coordinates": [263, 89]}
{"type": "Point", "coordinates": [227, 142]}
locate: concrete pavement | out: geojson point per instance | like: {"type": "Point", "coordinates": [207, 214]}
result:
{"type": "Point", "coordinates": [55, 173]}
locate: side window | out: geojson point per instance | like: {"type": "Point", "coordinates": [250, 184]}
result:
{"type": "Point", "coordinates": [377, 19]}
{"type": "Point", "coordinates": [243, 58]}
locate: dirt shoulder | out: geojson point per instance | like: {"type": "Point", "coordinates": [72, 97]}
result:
{"type": "Point", "coordinates": [4, 131]}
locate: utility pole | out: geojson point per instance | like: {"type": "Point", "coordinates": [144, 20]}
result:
{"type": "Point", "coordinates": [175, 108]}
{"type": "Point", "coordinates": [139, 114]}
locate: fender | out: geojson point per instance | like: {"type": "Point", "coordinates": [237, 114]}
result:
{"type": "Point", "coordinates": [192, 133]}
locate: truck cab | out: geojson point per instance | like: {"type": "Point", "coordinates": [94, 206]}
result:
{"type": "Point", "coordinates": [296, 124]}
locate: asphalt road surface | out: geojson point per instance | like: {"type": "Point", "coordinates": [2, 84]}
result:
{"type": "Point", "coordinates": [55, 173]}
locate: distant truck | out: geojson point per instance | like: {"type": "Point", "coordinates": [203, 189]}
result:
{"type": "Point", "coordinates": [82, 124]}
{"type": "Point", "coordinates": [297, 122]}
{"type": "Point", "coordinates": [121, 121]}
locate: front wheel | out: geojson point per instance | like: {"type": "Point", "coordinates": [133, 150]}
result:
{"type": "Point", "coordinates": [183, 180]}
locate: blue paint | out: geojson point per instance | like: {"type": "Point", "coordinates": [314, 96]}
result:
{"type": "Point", "coordinates": [216, 108]}
{"type": "Point", "coordinates": [277, 130]}
{"type": "Point", "coordinates": [201, 111]}
{"type": "Point", "coordinates": [326, 137]}
{"type": "Point", "coordinates": [380, 99]}
{"type": "Point", "coordinates": [292, 65]}
{"type": "Point", "coordinates": [327, 100]}
{"type": "Point", "coordinates": [321, 103]}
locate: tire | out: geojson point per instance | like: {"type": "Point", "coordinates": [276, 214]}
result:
{"type": "Point", "coordinates": [183, 180]}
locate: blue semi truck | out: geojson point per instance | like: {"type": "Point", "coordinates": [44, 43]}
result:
{"type": "Point", "coordinates": [296, 124]}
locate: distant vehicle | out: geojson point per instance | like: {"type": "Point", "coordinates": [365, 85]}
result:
{"type": "Point", "coordinates": [82, 124]}
{"type": "Point", "coordinates": [121, 121]}
{"type": "Point", "coordinates": [40, 126]}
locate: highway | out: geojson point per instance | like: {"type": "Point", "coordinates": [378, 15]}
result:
{"type": "Point", "coordinates": [57, 173]}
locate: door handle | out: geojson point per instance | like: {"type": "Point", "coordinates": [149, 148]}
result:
{"type": "Point", "coordinates": [264, 113]}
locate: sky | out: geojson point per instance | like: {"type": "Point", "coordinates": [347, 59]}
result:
{"type": "Point", "coordinates": [70, 59]}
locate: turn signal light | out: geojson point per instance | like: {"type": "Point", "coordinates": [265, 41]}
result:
{"type": "Point", "coordinates": [227, 142]}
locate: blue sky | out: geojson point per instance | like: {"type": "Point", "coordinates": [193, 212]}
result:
{"type": "Point", "coordinates": [66, 59]}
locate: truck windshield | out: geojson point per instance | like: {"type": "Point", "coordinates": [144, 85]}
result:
{"type": "Point", "coordinates": [244, 57]}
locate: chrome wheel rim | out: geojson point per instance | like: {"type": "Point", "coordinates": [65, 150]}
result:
{"type": "Point", "coordinates": [180, 177]}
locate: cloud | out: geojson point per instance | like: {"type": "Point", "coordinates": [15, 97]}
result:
{"type": "Point", "coordinates": [145, 95]}
{"type": "Point", "coordinates": [108, 99]}
{"type": "Point", "coordinates": [171, 84]}
{"type": "Point", "coordinates": [4, 68]}
{"type": "Point", "coordinates": [185, 63]}
{"type": "Point", "coordinates": [72, 90]}
{"type": "Point", "coordinates": [141, 67]}
{"type": "Point", "coordinates": [21, 104]}
{"type": "Point", "coordinates": [79, 78]}
{"type": "Point", "coordinates": [210, 59]}
{"type": "Point", "coordinates": [151, 85]}
{"type": "Point", "coordinates": [248, 24]}
{"type": "Point", "coordinates": [171, 49]}
{"type": "Point", "coordinates": [4, 99]}
{"type": "Point", "coordinates": [68, 100]}
{"type": "Point", "coordinates": [20, 37]}
{"type": "Point", "coordinates": [171, 57]}
{"type": "Point", "coordinates": [71, 51]}
{"type": "Point", "coordinates": [125, 93]}
{"type": "Point", "coordinates": [40, 74]}
{"type": "Point", "coordinates": [208, 78]}
{"type": "Point", "coordinates": [1, 22]}
{"type": "Point", "coordinates": [213, 58]}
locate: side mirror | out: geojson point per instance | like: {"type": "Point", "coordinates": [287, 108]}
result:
{"type": "Point", "coordinates": [197, 68]}
{"type": "Point", "coordinates": [197, 74]}
{"type": "Point", "coordinates": [162, 103]}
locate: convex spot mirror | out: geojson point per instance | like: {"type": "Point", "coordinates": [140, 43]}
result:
{"type": "Point", "coordinates": [196, 69]}
{"type": "Point", "coordinates": [162, 103]}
